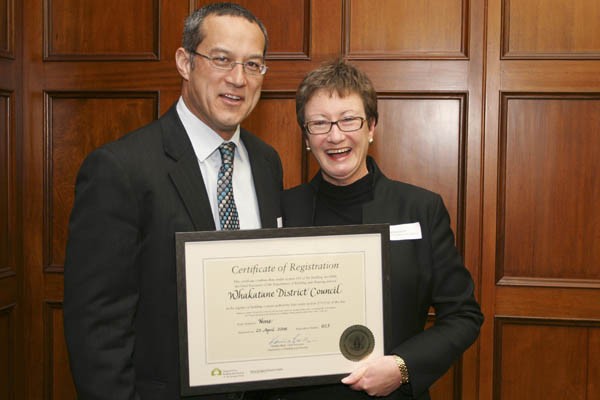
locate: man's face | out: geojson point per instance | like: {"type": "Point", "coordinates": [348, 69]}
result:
{"type": "Point", "coordinates": [222, 99]}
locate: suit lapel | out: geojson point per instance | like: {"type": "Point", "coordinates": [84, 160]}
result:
{"type": "Point", "coordinates": [185, 174]}
{"type": "Point", "coordinates": [381, 210]}
{"type": "Point", "coordinates": [266, 192]}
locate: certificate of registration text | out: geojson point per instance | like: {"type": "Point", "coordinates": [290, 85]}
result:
{"type": "Point", "coordinates": [276, 308]}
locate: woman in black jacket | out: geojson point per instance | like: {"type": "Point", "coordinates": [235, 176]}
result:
{"type": "Point", "coordinates": [336, 107]}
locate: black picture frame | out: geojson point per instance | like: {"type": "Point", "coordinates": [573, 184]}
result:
{"type": "Point", "coordinates": [227, 244]}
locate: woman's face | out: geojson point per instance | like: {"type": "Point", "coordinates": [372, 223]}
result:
{"type": "Point", "coordinates": [342, 156]}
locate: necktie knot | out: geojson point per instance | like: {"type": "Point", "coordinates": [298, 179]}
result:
{"type": "Point", "coordinates": [227, 150]}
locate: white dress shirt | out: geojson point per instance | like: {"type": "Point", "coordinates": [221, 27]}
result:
{"type": "Point", "coordinates": [206, 142]}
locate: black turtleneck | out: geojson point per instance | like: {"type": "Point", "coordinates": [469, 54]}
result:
{"type": "Point", "coordinates": [342, 205]}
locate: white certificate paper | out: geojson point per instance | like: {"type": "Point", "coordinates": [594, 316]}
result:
{"type": "Point", "coordinates": [268, 308]}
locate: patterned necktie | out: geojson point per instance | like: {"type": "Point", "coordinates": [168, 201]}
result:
{"type": "Point", "coordinates": [228, 214]}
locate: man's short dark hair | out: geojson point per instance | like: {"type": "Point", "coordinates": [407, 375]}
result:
{"type": "Point", "coordinates": [193, 34]}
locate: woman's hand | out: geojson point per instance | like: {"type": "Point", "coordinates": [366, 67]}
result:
{"type": "Point", "coordinates": [378, 377]}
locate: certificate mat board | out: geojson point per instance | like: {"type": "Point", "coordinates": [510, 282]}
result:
{"type": "Point", "coordinates": [282, 307]}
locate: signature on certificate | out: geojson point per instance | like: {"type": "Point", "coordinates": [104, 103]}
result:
{"type": "Point", "coordinates": [290, 341]}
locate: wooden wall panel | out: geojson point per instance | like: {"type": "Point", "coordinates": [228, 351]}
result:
{"type": "Point", "coordinates": [419, 140]}
{"type": "Point", "coordinates": [5, 170]}
{"type": "Point", "coordinates": [398, 29]}
{"type": "Point", "coordinates": [10, 344]}
{"type": "Point", "coordinates": [7, 352]}
{"type": "Point", "coordinates": [59, 384]}
{"type": "Point", "coordinates": [95, 30]}
{"type": "Point", "coordinates": [425, 64]}
{"type": "Point", "coordinates": [560, 299]}
{"type": "Point", "coordinates": [551, 186]}
{"type": "Point", "coordinates": [539, 243]}
{"type": "Point", "coordinates": [4, 26]}
{"type": "Point", "coordinates": [551, 29]}
{"type": "Point", "coordinates": [289, 37]}
{"type": "Point", "coordinates": [538, 360]}
{"type": "Point", "coordinates": [274, 121]}
{"type": "Point", "coordinates": [6, 29]}
{"type": "Point", "coordinates": [593, 383]}
{"type": "Point", "coordinates": [11, 270]}
{"type": "Point", "coordinates": [77, 124]}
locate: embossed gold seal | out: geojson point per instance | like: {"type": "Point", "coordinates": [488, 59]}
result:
{"type": "Point", "coordinates": [357, 342]}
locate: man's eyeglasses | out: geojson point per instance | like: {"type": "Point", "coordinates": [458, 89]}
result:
{"type": "Point", "coordinates": [224, 63]}
{"type": "Point", "coordinates": [321, 127]}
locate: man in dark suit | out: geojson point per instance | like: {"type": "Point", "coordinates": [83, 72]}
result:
{"type": "Point", "coordinates": [132, 195]}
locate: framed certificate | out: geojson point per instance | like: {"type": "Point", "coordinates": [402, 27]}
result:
{"type": "Point", "coordinates": [283, 307]}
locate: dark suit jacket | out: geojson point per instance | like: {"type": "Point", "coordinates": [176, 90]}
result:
{"type": "Point", "coordinates": [120, 306]}
{"type": "Point", "coordinates": [425, 272]}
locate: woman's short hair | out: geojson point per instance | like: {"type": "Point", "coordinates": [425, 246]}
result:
{"type": "Point", "coordinates": [338, 77]}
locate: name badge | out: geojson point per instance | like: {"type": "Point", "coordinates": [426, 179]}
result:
{"type": "Point", "coordinates": [406, 231]}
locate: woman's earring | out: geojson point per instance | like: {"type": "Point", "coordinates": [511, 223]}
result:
{"type": "Point", "coordinates": [307, 148]}
{"type": "Point", "coordinates": [370, 140]}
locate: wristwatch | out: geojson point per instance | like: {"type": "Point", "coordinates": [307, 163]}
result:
{"type": "Point", "coordinates": [402, 367]}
